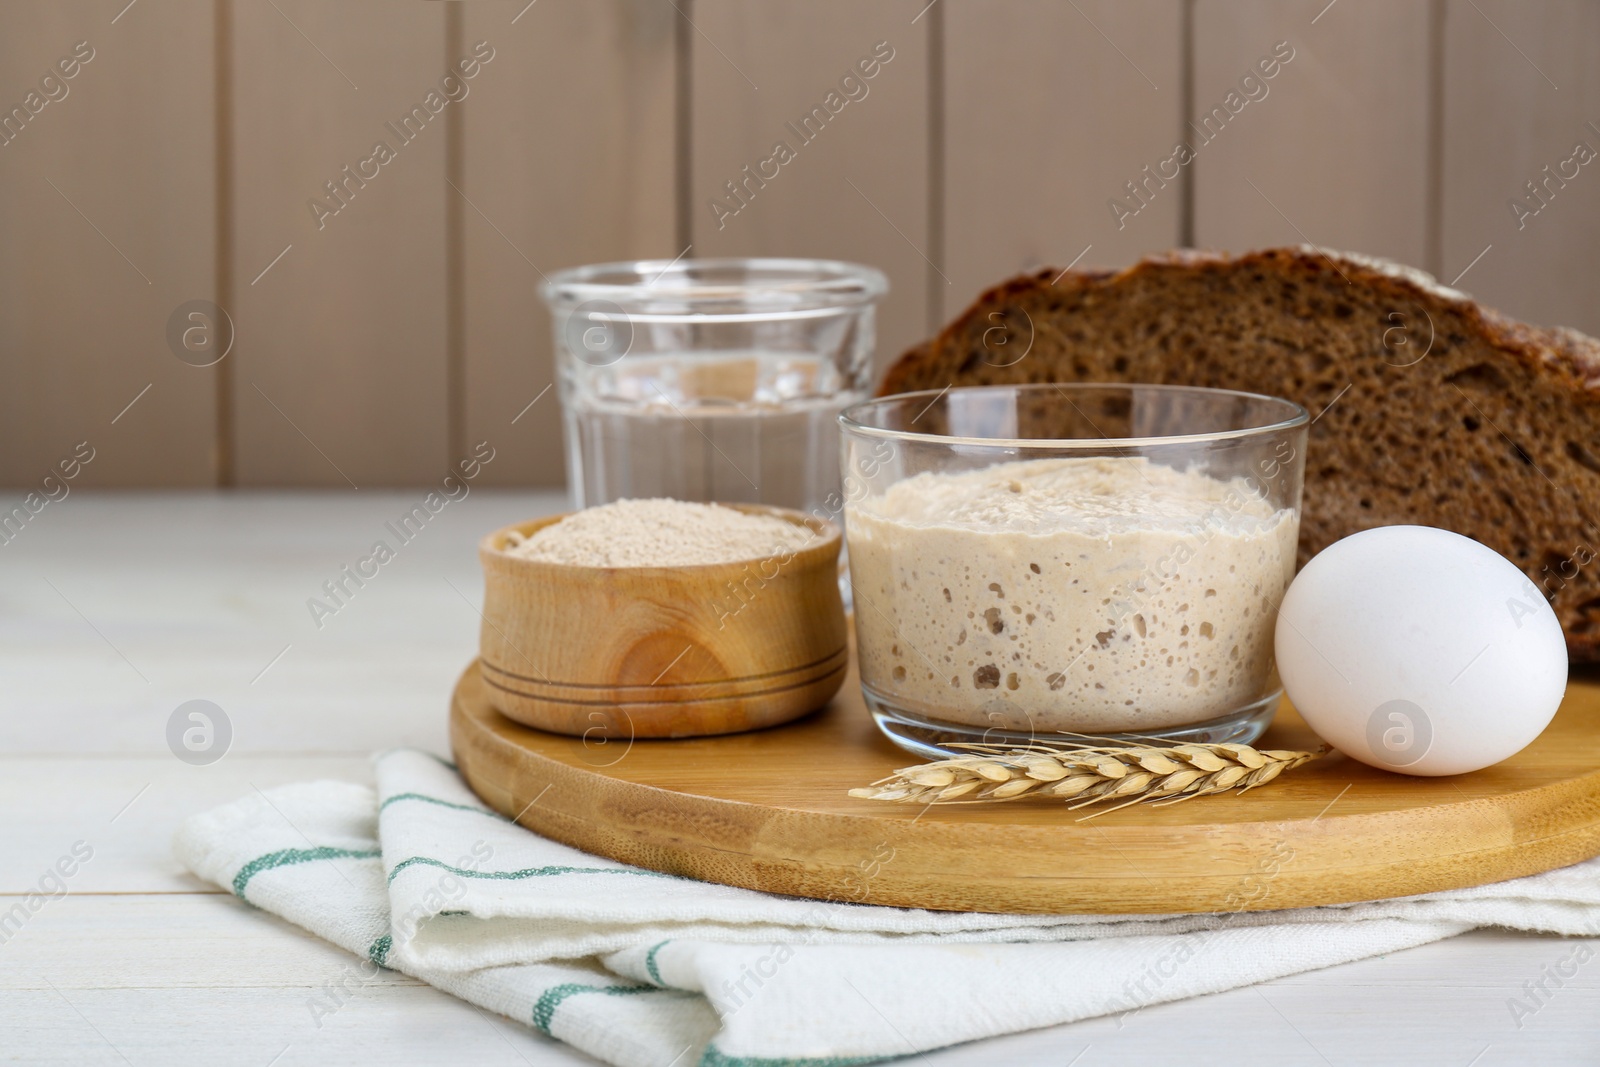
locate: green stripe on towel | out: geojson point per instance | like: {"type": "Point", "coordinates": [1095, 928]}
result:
{"type": "Point", "coordinates": [544, 1010]}
{"type": "Point", "coordinates": [378, 951]}
{"type": "Point", "coordinates": [442, 803]}
{"type": "Point", "coordinates": [528, 872]}
{"type": "Point", "coordinates": [288, 856]}
{"type": "Point", "coordinates": [650, 961]}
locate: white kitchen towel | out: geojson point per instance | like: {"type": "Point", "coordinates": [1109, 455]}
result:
{"type": "Point", "coordinates": [647, 970]}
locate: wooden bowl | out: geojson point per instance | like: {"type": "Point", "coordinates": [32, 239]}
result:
{"type": "Point", "coordinates": [663, 651]}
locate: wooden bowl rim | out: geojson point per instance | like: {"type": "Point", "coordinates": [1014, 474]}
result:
{"type": "Point", "coordinates": [822, 553]}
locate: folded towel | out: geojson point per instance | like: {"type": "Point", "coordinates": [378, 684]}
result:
{"type": "Point", "coordinates": [642, 969]}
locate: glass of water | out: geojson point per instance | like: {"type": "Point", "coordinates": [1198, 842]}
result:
{"type": "Point", "coordinates": [711, 380]}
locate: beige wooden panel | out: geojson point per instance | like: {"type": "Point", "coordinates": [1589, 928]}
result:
{"type": "Point", "coordinates": [107, 215]}
{"type": "Point", "coordinates": [1522, 92]}
{"type": "Point", "coordinates": [1050, 109]}
{"type": "Point", "coordinates": [567, 159]}
{"type": "Point", "coordinates": [341, 373]}
{"type": "Point", "coordinates": [858, 189]}
{"type": "Point", "coordinates": [1336, 152]}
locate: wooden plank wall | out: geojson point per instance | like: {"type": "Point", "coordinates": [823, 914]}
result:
{"type": "Point", "coordinates": [1501, 134]}
{"type": "Point", "coordinates": [860, 189]}
{"type": "Point", "coordinates": [107, 225]}
{"type": "Point", "coordinates": [377, 336]}
{"type": "Point", "coordinates": [341, 354]}
{"type": "Point", "coordinates": [1333, 149]}
{"type": "Point", "coordinates": [595, 183]}
{"type": "Point", "coordinates": [1049, 109]}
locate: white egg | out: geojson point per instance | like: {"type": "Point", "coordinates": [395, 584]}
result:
{"type": "Point", "coordinates": [1421, 651]}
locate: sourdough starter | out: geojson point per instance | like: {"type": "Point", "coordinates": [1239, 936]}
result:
{"type": "Point", "coordinates": [1084, 595]}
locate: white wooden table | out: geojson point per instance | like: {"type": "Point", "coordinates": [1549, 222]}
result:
{"type": "Point", "coordinates": [115, 609]}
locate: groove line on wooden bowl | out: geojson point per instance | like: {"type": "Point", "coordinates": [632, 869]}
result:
{"type": "Point", "coordinates": [832, 661]}
{"type": "Point", "coordinates": [650, 705]}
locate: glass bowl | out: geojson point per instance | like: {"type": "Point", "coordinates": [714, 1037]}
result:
{"type": "Point", "coordinates": [1054, 563]}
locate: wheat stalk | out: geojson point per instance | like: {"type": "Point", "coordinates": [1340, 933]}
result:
{"type": "Point", "coordinates": [1086, 774]}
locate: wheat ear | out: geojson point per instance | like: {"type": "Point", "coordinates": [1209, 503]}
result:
{"type": "Point", "coordinates": [1086, 775]}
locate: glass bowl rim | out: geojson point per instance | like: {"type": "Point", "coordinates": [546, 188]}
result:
{"type": "Point", "coordinates": [826, 283]}
{"type": "Point", "coordinates": [1297, 418]}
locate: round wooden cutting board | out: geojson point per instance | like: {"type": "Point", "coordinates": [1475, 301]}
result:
{"type": "Point", "coordinates": [769, 810]}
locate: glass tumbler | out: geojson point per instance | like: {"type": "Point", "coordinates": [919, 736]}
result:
{"type": "Point", "coordinates": [1043, 563]}
{"type": "Point", "coordinates": [711, 380]}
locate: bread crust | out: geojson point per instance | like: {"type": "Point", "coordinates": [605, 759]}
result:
{"type": "Point", "coordinates": [1563, 360]}
{"type": "Point", "coordinates": [1561, 351]}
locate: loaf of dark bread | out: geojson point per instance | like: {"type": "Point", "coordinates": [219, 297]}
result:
{"type": "Point", "coordinates": [1429, 408]}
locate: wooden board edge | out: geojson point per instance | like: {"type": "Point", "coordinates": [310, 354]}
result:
{"type": "Point", "coordinates": [858, 858]}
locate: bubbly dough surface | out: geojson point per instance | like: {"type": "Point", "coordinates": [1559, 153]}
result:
{"type": "Point", "coordinates": [1090, 595]}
